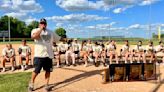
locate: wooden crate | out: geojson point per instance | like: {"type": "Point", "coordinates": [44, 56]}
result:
{"type": "Point", "coordinates": [135, 71]}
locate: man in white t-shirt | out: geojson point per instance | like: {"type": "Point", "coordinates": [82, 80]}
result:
{"type": "Point", "coordinates": [8, 55]}
{"type": "Point", "coordinates": [24, 54]}
{"type": "Point", "coordinates": [43, 52]}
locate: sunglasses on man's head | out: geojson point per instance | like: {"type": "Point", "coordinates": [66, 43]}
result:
{"type": "Point", "coordinates": [43, 23]}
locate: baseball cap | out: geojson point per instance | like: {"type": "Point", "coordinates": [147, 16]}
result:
{"type": "Point", "coordinates": [43, 21]}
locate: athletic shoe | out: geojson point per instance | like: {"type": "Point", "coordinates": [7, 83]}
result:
{"type": "Point", "coordinates": [12, 68]}
{"type": "Point", "coordinates": [131, 62]}
{"type": "Point", "coordinates": [31, 87]}
{"type": "Point", "coordinates": [85, 65]}
{"type": "Point", "coordinates": [22, 67]}
{"type": "Point", "coordinates": [3, 70]}
{"type": "Point", "coordinates": [90, 59]}
{"type": "Point", "coordinates": [58, 66]}
{"type": "Point", "coordinates": [127, 78]}
{"type": "Point", "coordinates": [26, 66]}
{"type": "Point", "coordinates": [47, 88]}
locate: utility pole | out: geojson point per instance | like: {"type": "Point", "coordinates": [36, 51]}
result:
{"type": "Point", "coordinates": [9, 27]}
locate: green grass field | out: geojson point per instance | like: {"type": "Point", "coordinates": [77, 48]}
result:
{"type": "Point", "coordinates": [17, 82]}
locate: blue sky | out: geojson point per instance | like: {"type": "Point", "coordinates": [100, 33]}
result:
{"type": "Point", "coordinates": [89, 18]}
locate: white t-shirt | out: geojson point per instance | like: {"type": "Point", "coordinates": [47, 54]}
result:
{"type": "Point", "coordinates": [8, 52]}
{"type": "Point", "coordinates": [63, 47]}
{"type": "Point", "coordinates": [150, 48]}
{"type": "Point", "coordinates": [97, 49]}
{"type": "Point", "coordinates": [125, 48]}
{"type": "Point", "coordinates": [90, 46]}
{"type": "Point", "coordinates": [85, 48]}
{"type": "Point", "coordinates": [25, 50]}
{"type": "Point", "coordinates": [110, 47]}
{"type": "Point", "coordinates": [43, 45]}
{"type": "Point", "coordinates": [76, 46]}
{"type": "Point", "coordinates": [159, 48]}
{"type": "Point", "coordinates": [139, 48]}
{"type": "Point", "coordinates": [55, 48]}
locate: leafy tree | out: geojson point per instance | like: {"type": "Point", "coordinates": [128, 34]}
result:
{"type": "Point", "coordinates": [32, 25]}
{"type": "Point", "coordinates": [61, 32]}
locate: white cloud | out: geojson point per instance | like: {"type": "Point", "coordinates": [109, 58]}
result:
{"type": "Point", "coordinates": [134, 26]}
{"type": "Point", "coordinates": [20, 6]}
{"type": "Point", "coordinates": [30, 19]}
{"type": "Point", "coordinates": [75, 18]}
{"type": "Point", "coordinates": [16, 15]}
{"type": "Point", "coordinates": [122, 9]}
{"type": "Point", "coordinates": [148, 2]}
{"type": "Point", "coordinates": [118, 5]}
{"type": "Point", "coordinates": [20, 9]}
{"type": "Point", "coordinates": [101, 27]}
{"type": "Point", "coordinates": [78, 5]}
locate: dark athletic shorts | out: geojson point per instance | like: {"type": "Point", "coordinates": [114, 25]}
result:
{"type": "Point", "coordinates": [61, 52]}
{"type": "Point", "coordinates": [45, 63]}
{"type": "Point", "coordinates": [76, 52]}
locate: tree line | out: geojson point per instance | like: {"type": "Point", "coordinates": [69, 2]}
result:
{"type": "Point", "coordinates": [19, 29]}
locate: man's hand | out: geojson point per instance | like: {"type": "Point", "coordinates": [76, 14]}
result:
{"type": "Point", "coordinates": [36, 35]}
{"type": "Point", "coordinates": [42, 27]}
{"type": "Point", "coordinates": [7, 59]}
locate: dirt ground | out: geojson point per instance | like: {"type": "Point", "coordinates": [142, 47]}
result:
{"type": "Point", "coordinates": [88, 79]}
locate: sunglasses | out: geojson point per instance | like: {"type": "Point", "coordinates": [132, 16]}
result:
{"type": "Point", "coordinates": [43, 23]}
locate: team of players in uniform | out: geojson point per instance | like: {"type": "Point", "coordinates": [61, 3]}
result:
{"type": "Point", "coordinates": [95, 52]}
{"type": "Point", "coordinates": [87, 51]}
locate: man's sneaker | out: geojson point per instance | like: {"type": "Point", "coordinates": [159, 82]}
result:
{"type": "Point", "coordinates": [22, 67]}
{"type": "Point", "coordinates": [3, 70]}
{"type": "Point", "coordinates": [26, 66]}
{"type": "Point", "coordinates": [12, 68]}
{"type": "Point", "coordinates": [47, 88]}
{"type": "Point", "coordinates": [85, 65]}
{"type": "Point", "coordinates": [90, 59]}
{"type": "Point", "coordinates": [31, 87]}
{"type": "Point", "coordinates": [138, 61]}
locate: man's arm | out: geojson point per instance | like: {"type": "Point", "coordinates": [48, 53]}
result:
{"type": "Point", "coordinates": [36, 34]}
